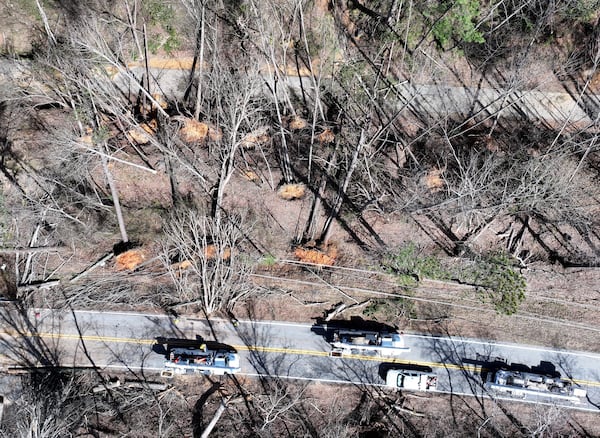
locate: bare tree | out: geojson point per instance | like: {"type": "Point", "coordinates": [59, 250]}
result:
{"type": "Point", "coordinates": [210, 271]}
{"type": "Point", "coordinates": [238, 111]}
{"type": "Point", "coordinates": [52, 405]}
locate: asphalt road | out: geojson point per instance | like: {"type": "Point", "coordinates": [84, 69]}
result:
{"type": "Point", "coordinates": [126, 341]}
{"type": "Point", "coordinates": [433, 100]}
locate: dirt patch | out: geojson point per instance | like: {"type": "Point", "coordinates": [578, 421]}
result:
{"type": "Point", "coordinates": [19, 27]}
{"type": "Point", "coordinates": [137, 187]}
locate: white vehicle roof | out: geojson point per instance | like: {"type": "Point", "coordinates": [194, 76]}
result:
{"type": "Point", "coordinates": [412, 380]}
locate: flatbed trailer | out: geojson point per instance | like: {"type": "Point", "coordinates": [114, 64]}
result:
{"type": "Point", "coordinates": [526, 385]}
{"type": "Point", "coordinates": [350, 341]}
{"type": "Point", "coordinates": [197, 357]}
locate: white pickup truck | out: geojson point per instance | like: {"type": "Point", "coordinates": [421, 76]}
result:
{"type": "Point", "coordinates": [411, 380]}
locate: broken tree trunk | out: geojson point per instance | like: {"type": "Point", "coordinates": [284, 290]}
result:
{"type": "Point", "coordinates": [337, 206]}
{"type": "Point", "coordinates": [33, 249]}
{"type": "Point", "coordinates": [206, 432]}
{"type": "Point", "coordinates": [200, 67]}
{"type": "Point", "coordinates": [115, 196]}
{"type": "Point", "coordinates": [100, 262]}
{"type": "Point", "coordinates": [33, 286]}
{"type": "Point", "coordinates": [344, 308]}
{"type": "Point", "coordinates": [311, 223]}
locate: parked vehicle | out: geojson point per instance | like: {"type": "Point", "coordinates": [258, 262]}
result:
{"type": "Point", "coordinates": [349, 341]}
{"type": "Point", "coordinates": [531, 385]}
{"type": "Point", "coordinates": [411, 380]}
{"type": "Point", "coordinates": [195, 356]}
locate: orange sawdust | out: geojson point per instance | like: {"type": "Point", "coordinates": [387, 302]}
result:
{"type": "Point", "coordinates": [214, 133]}
{"type": "Point", "coordinates": [491, 144]}
{"type": "Point", "coordinates": [296, 123]}
{"type": "Point", "coordinates": [181, 266]}
{"type": "Point", "coordinates": [184, 264]}
{"type": "Point", "coordinates": [434, 181]}
{"type": "Point", "coordinates": [255, 138]}
{"type": "Point", "coordinates": [150, 127]}
{"type": "Point", "coordinates": [317, 256]}
{"type": "Point", "coordinates": [130, 260]}
{"type": "Point", "coordinates": [142, 134]}
{"type": "Point", "coordinates": [250, 175]}
{"type": "Point", "coordinates": [140, 137]}
{"type": "Point", "coordinates": [193, 131]}
{"type": "Point", "coordinates": [87, 138]}
{"type": "Point", "coordinates": [210, 252]}
{"type": "Point", "coordinates": [291, 191]}
{"type": "Point", "coordinates": [595, 81]}
{"type": "Point", "coordinates": [326, 136]}
{"type": "Point", "coordinates": [160, 99]}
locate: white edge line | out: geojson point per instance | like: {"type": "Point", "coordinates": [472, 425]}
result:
{"type": "Point", "coordinates": [499, 344]}
{"type": "Point", "coordinates": [379, 385]}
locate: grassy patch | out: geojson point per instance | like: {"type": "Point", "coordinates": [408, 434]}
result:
{"type": "Point", "coordinates": [268, 260]}
{"type": "Point", "coordinates": [161, 14]}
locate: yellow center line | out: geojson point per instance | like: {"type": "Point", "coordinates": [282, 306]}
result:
{"type": "Point", "coordinates": [92, 338]}
{"type": "Point", "coordinates": [256, 348]}
{"type": "Point", "coordinates": [352, 356]}
{"type": "Point", "coordinates": [280, 350]}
